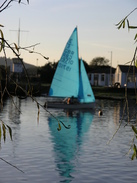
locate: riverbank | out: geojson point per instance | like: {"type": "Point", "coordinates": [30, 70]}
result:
{"type": "Point", "coordinates": [103, 92]}
{"type": "Point", "coordinates": [99, 92]}
{"type": "Point", "coordinates": [113, 93]}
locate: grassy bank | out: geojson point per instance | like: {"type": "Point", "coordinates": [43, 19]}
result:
{"type": "Point", "coordinates": [99, 92]}
{"type": "Point", "coordinates": [113, 93]}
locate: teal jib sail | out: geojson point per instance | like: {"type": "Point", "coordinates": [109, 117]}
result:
{"type": "Point", "coordinates": [85, 91]}
{"type": "Point", "coordinates": [66, 78]}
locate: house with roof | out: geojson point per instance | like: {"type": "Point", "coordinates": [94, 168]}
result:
{"type": "Point", "coordinates": [126, 75]}
{"type": "Point", "coordinates": [102, 76]}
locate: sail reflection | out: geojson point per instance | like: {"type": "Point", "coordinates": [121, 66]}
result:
{"type": "Point", "coordinates": [68, 143]}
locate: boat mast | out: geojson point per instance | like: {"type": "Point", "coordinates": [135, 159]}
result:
{"type": "Point", "coordinates": [78, 50]}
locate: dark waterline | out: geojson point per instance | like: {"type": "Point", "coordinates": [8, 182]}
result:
{"type": "Point", "coordinates": [79, 154]}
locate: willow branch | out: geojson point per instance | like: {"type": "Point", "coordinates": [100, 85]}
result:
{"type": "Point", "coordinates": [6, 6]}
{"type": "Point", "coordinates": [11, 164]}
{"type": "Point", "coordinates": [17, 55]}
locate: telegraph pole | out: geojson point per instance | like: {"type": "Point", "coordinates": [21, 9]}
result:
{"type": "Point", "coordinates": [111, 69]}
{"type": "Point", "coordinates": [19, 31]}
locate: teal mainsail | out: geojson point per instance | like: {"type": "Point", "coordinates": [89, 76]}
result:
{"type": "Point", "coordinates": [85, 91]}
{"type": "Point", "coordinates": [66, 77]}
{"type": "Point", "coordinates": [70, 78]}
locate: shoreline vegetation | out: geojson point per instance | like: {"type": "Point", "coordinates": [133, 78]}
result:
{"type": "Point", "coordinates": [99, 92]}
{"type": "Point", "coordinates": [104, 92]}
{"type": "Point", "coordinates": [113, 93]}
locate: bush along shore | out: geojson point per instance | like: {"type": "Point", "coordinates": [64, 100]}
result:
{"type": "Point", "coordinates": [39, 89]}
{"type": "Point", "coordinates": [113, 93]}
{"type": "Point", "coordinates": [103, 92]}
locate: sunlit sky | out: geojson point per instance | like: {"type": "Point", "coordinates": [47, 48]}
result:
{"type": "Point", "coordinates": [51, 22]}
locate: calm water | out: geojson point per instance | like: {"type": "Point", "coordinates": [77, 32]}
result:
{"type": "Point", "coordinates": [79, 154]}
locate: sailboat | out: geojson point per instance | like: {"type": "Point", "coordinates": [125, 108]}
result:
{"type": "Point", "coordinates": [70, 83]}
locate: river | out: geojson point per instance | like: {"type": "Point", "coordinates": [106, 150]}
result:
{"type": "Point", "coordinates": [79, 154]}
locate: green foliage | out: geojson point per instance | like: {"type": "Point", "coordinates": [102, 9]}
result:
{"type": "Point", "coordinates": [122, 24]}
{"type": "Point", "coordinates": [2, 40]}
{"type": "Point", "coordinates": [59, 128]}
{"type": "Point", "coordinates": [125, 21]}
{"type": "Point", "coordinates": [3, 129]}
{"type": "Point", "coordinates": [134, 155]}
{"type": "Point", "coordinates": [47, 72]}
{"type": "Point", "coordinates": [134, 129]}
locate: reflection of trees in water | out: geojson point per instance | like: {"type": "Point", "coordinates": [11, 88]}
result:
{"type": "Point", "coordinates": [14, 110]}
{"type": "Point", "coordinates": [115, 109]}
{"type": "Point", "coordinates": [129, 115]}
{"type": "Point", "coordinates": [10, 115]}
{"type": "Point", "coordinates": [67, 143]}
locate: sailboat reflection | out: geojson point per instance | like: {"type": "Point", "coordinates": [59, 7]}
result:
{"type": "Point", "coordinates": [67, 143]}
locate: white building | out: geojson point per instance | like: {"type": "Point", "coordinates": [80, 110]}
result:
{"type": "Point", "coordinates": [17, 66]}
{"type": "Point", "coordinates": [126, 75]}
{"type": "Point", "coordinates": [102, 76]}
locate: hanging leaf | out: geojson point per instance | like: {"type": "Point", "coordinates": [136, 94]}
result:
{"type": "Point", "coordinates": [133, 156]}
{"type": "Point", "coordinates": [119, 23]}
{"type": "Point", "coordinates": [135, 152]}
{"type": "Point", "coordinates": [128, 23]}
{"type": "Point", "coordinates": [46, 57]}
{"type": "Point", "coordinates": [10, 132]}
{"type": "Point", "coordinates": [4, 131]}
{"type": "Point", "coordinates": [0, 133]}
{"type": "Point", "coordinates": [134, 129]}
{"type": "Point", "coordinates": [2, 40]}
{"type": "Point", "coordinates": [135, 37]}
{"type": "Point", "coordinates": [123, 24]}
{"type": "Point", "coordinates": [59, 128]}
{"type": "Point", "coordinates": [119, 26]}
{"type": "Point", "coordinates": [2, 36]}
{"type": "Point", "coordinates": [16, 47]}
{"type": "Point", "coordinates": [136, 63]}
{"type": "Point", "coordinates": [132, 27]}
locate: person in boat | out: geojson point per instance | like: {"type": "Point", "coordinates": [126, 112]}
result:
{"type": "Point", "coordinates": [68, 100]}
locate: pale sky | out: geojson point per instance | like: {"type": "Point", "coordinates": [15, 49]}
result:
{"type": "Point", "coordinates": [51, 22]}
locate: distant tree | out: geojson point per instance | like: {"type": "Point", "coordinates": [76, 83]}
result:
{"type": "Point", "coordinates": [99, 61]}
{"type": "Point", "coordinates": [47, 71]}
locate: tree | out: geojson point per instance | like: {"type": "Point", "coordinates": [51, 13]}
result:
{"type": "Point", "coordinates": [99, 61]}
{"type": "Point", "coordinates": [122, 24]}
{"type": "Point", "coordinates": [47, 71]}
{"type": "Point", "coordinates": [4, 44]}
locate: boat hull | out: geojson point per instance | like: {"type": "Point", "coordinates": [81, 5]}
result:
{"type": "Point", "coordinates": [59, 105]}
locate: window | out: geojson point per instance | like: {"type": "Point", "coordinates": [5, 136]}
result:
{"type": "Point", "coordinates": [117, 77]}
{"type": "Point", "coordinates": [130, 78]}
{"type": "Point", "coordinates": [90, 76]}
{"type": "Point", "coordinates": [102, 77]}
